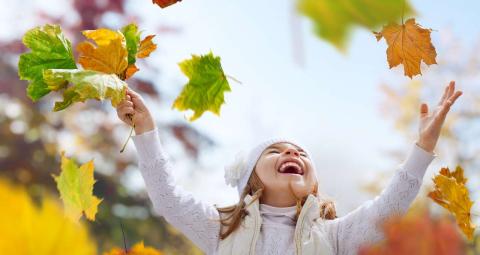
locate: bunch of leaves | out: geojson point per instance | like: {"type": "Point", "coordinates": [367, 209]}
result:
{"type": "Point", "coordinates": [107, 60]}
{"type": "Point", "coordinates": [206, 87]}
{"type": "Point", "coordinates": [418, 234]}
{"type": "Point", "coordinates": [165, 3]}
{"type": "Point", "coordinates": [408, 44]}
{"type": "Point", "coordinates": [75, 185]}
{"type": "Point", "coordinates": [26, 228]}
{"type": "Point", "coordinates": [451, 193]}
{"type": "Point", "coordinates": [137, 249]}
{"type": "Point", "coordinates": [333, 19]}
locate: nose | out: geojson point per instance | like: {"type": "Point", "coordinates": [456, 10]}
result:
{"type": "Point", "coordinates": [292, 151]}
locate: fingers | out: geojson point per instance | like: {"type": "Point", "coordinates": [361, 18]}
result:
{"type": "Point", "coordinates": [423, 110]}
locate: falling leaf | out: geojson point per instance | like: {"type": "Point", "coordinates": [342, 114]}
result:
{"type": "Point", "coordinates": [165, 3]}
{"type": "Point", "coordinates": [137, 249]}
{"type": "Point", "coordinates": [450, 192]}
{"type": "Point", "coordinates": [86, 85]}
{"type": "Point", "coordinates": [38, 226]}
{"type": "Point", "coordinates": [206, 87]}
{"type": "Point", "coordinates": [75, 185]}
{"type": "Point", "coordinates": [334, 19]}
{"type": "Point", "coordinates": [109, 56]}
{"type": "Point", "coordinates": [408, 44]}
{"type": "Point", "coordinates": [418, 235]}
{"type": "Point", "coordinates": [49, 49]}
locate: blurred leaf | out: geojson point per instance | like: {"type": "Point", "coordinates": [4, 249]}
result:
{"type": "Point", "coordinates": [417, 235]}
{"type": "Point", "coordinates": [165, 3]}
{"type": "Point", "coordinates": [333, 19]}
{"type": "Point", "coordinates": [26, 229]}
{"type": "Point", "coordinates": [137, 249]}
{"type": "Point", "coordinates": [76, 189]}
{"type": "Point", "coordinates": [50, 50]}
{"type": "Point", "coordinates": [206, 88]}
{"type": "Point", "coordinates": [86, 85]}
{"type": "Point", "coordinates": [450, 192]}
{"type": "Point", "coordinates": [408, 44]}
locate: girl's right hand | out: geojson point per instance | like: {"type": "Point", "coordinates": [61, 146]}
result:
{"type": "Point", "coordinates": [134, 105]}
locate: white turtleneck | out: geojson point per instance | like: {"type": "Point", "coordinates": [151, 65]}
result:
{"type": "Point", "coordinates": [277, 230]}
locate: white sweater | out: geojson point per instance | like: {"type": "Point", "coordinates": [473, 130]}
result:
{"type": "Point", "coordinates": [199, 221]}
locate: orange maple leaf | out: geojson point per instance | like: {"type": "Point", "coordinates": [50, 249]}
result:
{"type": "Point", "coordinates": [408, 44]}
{"type": "Point", "coordinates": [146, 47]}
{"type": "Point", "coordinates": [165, 3]}
{"type": "Point", "coordinates": [450, 192]}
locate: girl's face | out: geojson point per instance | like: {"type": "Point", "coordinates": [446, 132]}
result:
{"type": "Point", "coordinates": [286, 171]}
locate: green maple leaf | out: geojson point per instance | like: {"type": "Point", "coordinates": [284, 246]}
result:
{"type": "Point", "coordinates": [132, 37]}
{"type": "Point", "coordinates": [87, 84]}
{"type": "Point", "coordinates": [49, 50]}
{"type": "Point", "coordinates": [75, 185]}
{"type": "Point", "coordinates": [333, 19]}
{"type": "Point", "coordinates": [206, 87]}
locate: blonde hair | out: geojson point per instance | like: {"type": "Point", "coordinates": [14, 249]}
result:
{"type": "Point", "coordinates": [232, 216]}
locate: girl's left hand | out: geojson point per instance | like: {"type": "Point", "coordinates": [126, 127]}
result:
{"type": "Point", "coordinates": [431, 122]}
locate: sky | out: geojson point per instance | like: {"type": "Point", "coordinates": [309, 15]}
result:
{"type": "Point", "coordinates": [327, 99]}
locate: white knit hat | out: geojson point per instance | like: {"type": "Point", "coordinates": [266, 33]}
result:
{"type": "Point", "coordinates": [238, 172]}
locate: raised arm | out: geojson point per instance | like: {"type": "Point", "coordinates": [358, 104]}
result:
{"type": "Point", "coordinates": [195, 219]}
{"type": "Point", "coordinates": [363, 225]}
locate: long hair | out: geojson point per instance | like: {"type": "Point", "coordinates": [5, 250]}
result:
{"type": "Point", "coordinates": [232, 216]}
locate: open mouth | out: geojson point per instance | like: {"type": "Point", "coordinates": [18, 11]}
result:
{"type": "Point", "coordinates": [290, 167]}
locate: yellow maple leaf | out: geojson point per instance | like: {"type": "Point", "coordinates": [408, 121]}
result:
{"type": "Point", "coordinates": [26, 228]}
{"type": "Point", "coordinates": [137, 249]}
{"type": "Point", "coordinates": [109, 56]}
{"type": "Point", "coordinates": [408, 44]}
{"type": "Point", "coordinates": [450, 192]}
{"type": "Point", "coordinates": [75, 185]}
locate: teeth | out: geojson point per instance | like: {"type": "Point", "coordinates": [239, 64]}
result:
{"type": "Point", "coordinates": [290, 164]}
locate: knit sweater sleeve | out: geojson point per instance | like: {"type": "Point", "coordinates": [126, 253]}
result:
{"type": "Point", "coordinates": [195, 219]}
{"type": "Point", "coordinates": [363, 226]}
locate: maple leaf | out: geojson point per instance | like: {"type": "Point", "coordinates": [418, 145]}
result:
{"type": "Point", "coordinates": [109, 56]}
{"type": "Point", "coordinates": [408, 44]}
{"type": "Point", "coordinates": [137, 249]}
{"type": "Point", "coordinates": [146, 47]}
{"type": "Point", "coordinates": [136, 48]}
{"type": "Point", "coordinates": [49, 49]}
{"type": "Point", "coordinates": [165, 3]}
{"type": "Point", "coordinates": [417, 235]}
{"type": "Point", "coordinates": [38, 226]}
{"type": "Point", "coordinates": [450, 192]}
{"type": "Point", "coordinates": [206, 87]}
{"type": "Point", "coordinates": [75, 185]}
{"type": "Point", "coordinates": [86, 85]}
{"type": "Point", "coordinates": [334, 19]}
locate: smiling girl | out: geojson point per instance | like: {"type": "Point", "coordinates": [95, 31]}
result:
{"type": "Point", "coordinates": [280, 210]}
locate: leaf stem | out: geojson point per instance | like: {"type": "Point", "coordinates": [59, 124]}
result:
{"type": "Point", "coordinates": [124, 239]}
{"type": "Point", "coordinates": [130, 135]}
{"type": "Point", "coordinates": [233, 78]}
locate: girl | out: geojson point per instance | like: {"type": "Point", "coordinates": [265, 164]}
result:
{"type": "Point", "coordinates": [280, 210]}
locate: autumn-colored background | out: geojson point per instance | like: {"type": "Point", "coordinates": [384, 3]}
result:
{"type": "Point", "coordinates": [357, 117]}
